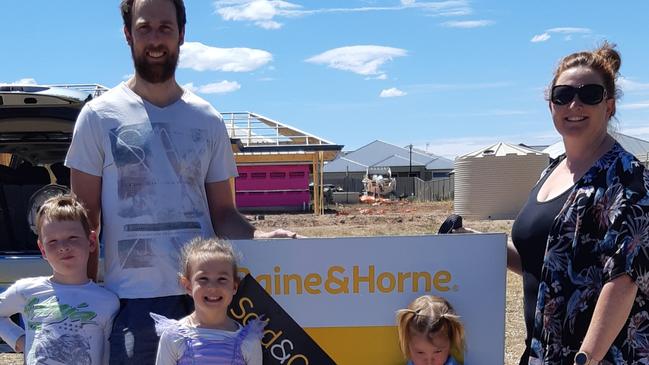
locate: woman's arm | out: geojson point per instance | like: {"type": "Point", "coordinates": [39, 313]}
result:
{"type": "Point", "coordinates": [611, 312]}
{"type": "Point", "coordinates": [513, 258]}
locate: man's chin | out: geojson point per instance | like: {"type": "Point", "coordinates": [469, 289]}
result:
{"type": "Point", "coordinates": [155, 77]}
{"type": "Point", "coordinates": [155, 73]}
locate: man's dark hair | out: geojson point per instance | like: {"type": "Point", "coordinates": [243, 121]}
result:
{"type": "Point", "coordinates": [126, 7]}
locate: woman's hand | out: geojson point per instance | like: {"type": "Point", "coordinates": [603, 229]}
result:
{"type": "Point", "coordinates": [20, 344]}
{"type": "Point", "coordinates": [278, 233]}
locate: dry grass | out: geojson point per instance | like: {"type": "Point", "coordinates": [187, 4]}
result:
{"type": "Point", "coordinates": [393, 219]}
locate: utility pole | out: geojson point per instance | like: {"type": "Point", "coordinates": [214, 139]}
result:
{"type": "Point", "coordinates": [410, 161]}
{"type": "Point", "coordinates": [410, 170]}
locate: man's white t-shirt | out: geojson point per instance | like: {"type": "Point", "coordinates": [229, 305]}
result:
{"type": "Point", "coordinates": [154, 164]}
{"type": "Point", "coordinates": [64, 324]}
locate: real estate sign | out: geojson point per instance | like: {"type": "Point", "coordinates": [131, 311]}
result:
{"type": "Point", "coordinates": [345, 291]}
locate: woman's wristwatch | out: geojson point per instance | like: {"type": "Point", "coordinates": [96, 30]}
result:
{"type": "Point", "coordinates": [584, 358]}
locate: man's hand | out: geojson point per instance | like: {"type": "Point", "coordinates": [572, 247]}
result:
{"type": "Point", "coordinates": [20, 344]}
{"type": "Point", "coordinates": [278, 233]}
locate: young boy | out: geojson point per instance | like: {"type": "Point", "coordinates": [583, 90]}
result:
{"type": "Point", "coordinates": [67, 317]}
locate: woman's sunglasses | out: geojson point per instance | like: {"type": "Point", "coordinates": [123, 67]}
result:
{"type": "Point", "coordinates": [590, 94]}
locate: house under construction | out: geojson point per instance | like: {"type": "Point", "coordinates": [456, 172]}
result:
{"type": "Point", "coordinates": [277, 163]}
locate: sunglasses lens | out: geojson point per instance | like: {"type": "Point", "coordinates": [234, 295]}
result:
{"type": "Point", "coordinates": [562, 94]}
{"type": "Point", "coordinates": [591, 94]}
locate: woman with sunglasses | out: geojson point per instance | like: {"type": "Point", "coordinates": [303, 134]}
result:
{"type": "Point", "coordinates": [581, 241]}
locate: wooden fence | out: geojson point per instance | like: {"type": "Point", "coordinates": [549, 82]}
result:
{"type": "Point", "coordinates": [433, 190]}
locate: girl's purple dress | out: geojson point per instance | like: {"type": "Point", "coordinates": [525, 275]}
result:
{"type": "Point", "coordinates": [200, 350]}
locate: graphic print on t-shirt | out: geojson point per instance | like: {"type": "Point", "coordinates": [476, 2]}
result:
{"type": "Point", "coordinates": [71, 349]}
{"type": "Point", "coordinates": [59, 336]}
{"type": "Point", "coordinates": [154, 158]}
{"type": "Point", "coordinates": [154, 161]}
{"type": "Point", "coordinates": [138, 253]}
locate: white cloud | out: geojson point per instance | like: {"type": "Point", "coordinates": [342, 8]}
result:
{"type": "Point", "coordinates": [252, 10]}
{"type": "Point", "coordinates": [628, 85]}
{"type": "Point", "coordinates": [264, 13]}
{"type": "Point", "coordinates": [364, 60]}
{"type": "Point", "coordinates": [635, 106]}
{"type": "Point", "coordinates": [486, 113]}
{"type": "Point", "coordinates": [260, 12]}
{"type": "Point", "coordinates": [25, 81]}
{"type": "Point", "coordinates": [200, 57]}
{"type": "Point", "coordinates": [268, 24]}
{"type": "Point", "coordinates": [222, 87]}
{"type": "Point", "coordinates": [568, 32]}
{"type": "Point", "coordinates": [392, 93]}
{"type": "Point", "coordinates": [540, 38]}
{"type": "Point", "coordinates": [428, 88]}
{"type": "Point", "coordinates": [467, 24]}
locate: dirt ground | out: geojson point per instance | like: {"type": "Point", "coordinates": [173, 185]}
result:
{"type": "Point", "coordinates": [399, 218]}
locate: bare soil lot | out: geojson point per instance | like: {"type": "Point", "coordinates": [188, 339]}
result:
{"type": "Point", "coordinates": [399, 218]}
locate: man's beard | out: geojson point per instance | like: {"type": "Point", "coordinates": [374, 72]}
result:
{"type": "Point", "coordinates": [155, 72]}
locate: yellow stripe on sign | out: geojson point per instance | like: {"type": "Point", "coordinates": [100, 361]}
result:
{"type": "Point", "coordinates": [359, 345]}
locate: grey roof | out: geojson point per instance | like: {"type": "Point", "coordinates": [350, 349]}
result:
{"type": "Point", "coordinates": [342, 164]}
{"type": "Point", "coordinates": [396, 160]}
{"type": "Point", "coordinates": [636, 146]}
{"type": "Point", "coordinates": [379, 153]}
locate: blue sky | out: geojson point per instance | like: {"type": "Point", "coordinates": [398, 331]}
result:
{"type": "Point", "coordinates": [446, 76]}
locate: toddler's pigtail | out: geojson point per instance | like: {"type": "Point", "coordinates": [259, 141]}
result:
{"type": "Point", "coordinates": [404, 317]}
{"type": "Point", "coordinates": [456, 335]}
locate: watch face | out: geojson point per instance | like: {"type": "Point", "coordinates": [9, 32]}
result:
{"type": "Point", "coordinates": [581, 359]}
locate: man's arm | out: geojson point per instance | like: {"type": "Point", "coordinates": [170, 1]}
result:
{"type": "Point", "coordinates": [87, 188]}
{"type": "Point", "coordinates": [226, 219]}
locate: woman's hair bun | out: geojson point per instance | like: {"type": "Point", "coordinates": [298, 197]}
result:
{"type": "Point", "coordinates": [612, 57]}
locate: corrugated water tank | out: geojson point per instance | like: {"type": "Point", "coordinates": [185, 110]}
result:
{"type": "Point", "coordinates": [494, 182]}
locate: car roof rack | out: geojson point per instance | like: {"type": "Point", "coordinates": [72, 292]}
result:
{"type": "Point", "coordinates": [93, 89]}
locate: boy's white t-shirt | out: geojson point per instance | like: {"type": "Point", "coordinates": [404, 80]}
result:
{"type": "Point", "coordinates": [154, 163]}
{"type": "Point", "coordinates": [64, 324]}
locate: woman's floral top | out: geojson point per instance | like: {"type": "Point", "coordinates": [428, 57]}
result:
{"type": "Point", "coordinates": [601, 232]}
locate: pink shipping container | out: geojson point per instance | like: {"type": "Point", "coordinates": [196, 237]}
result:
{"type": "Point", "coordinates": [273, 186]}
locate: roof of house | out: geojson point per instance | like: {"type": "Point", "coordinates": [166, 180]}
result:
{"type": "Point", "coordinates": [636, 146]}
{"type": "Point", "coordinates": [379, 153]}
{"type": "Point", "coordinates": [502, 149]}
{"type": "Point", "coordinates": [260, 134]}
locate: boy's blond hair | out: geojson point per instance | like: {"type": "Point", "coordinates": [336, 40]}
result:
{"type": "Point", "coordinates": [62, 208]}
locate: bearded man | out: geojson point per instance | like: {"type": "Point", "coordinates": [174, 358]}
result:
{"type": "Point", "coordinates": [152, 162]}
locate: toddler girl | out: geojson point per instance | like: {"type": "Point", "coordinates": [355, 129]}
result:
{"type": "Point", "coordinates": [430, 332]}
{"type": "Point", "coordinates": [208, 335]}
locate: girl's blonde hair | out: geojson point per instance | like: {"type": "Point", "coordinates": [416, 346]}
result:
{"type": "Point", "coordinates": [205, 248]}
{"type": "Point", "coordinates": [429, 315]}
